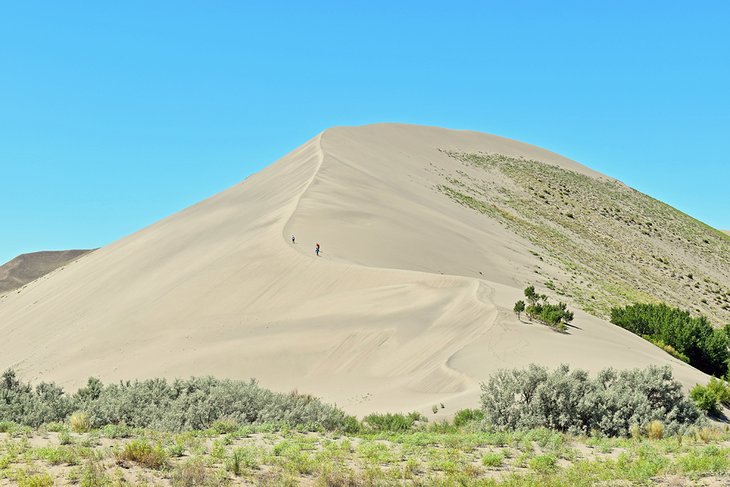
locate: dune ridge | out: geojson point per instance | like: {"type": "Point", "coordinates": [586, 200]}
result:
{"type": "Point", "coordinates": [408, 305]}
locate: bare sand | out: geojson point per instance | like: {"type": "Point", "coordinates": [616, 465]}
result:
{"type": "Point", "coordinates": [408, 305]}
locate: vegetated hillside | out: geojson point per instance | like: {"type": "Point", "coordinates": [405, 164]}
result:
{"type": "Point", "coordinates": [409, 303]}
{"type": "Point", "coordinates": [29, 267]}
{"type": "Point", "coordinates": [613, 244]}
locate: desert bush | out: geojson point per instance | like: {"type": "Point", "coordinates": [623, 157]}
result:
{"type": "Point", "coordinates": [241, 459]}
{"type": "Point", "coordinates": [692, 338]}
{"type": "Point", "coordinates": [544, 463]}
{"type": "Point", "coordinates": [706, 399]}
{"type": "Point", "coordinates": [114, 431]}
{"type": "Point", "coordinates": [192, 473]}
{"type": "Point", "coordinates": [493, 459]}
{"type": "Point", "coordinates": [140, 451]}
{"type": "Point", "coordinates": [350, 425]}
{"type": "Point", "coordinates": [655, 430]}
{"type": "Point", "coordinates": [224, 426]}
{"type": "Point", "coordinates": [519, 308]}
{"type": "Point", "coordinates": [554, 315]}
{"type": "Point", "coordinates": [570, 401]}
{"type": "Point", "coordinates": [392, 422]}
{"type": "Point", "coordinates": [23, 404]}
{"type": "Point", "coordinates": [34, 479]}
{"type": "Point", "coordinates": [721, 388]}
{"type": "Point", "coordinates": [64, 438]}
{"type": "Point", "coordinates": [464, 416]}
{"type": "Point", "coordinates": [79, 422]}
{"type": "Point", "coordinates": [195, 403]}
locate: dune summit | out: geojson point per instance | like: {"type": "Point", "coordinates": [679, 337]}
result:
{"type": "Point", "coordinates": [409, 303]}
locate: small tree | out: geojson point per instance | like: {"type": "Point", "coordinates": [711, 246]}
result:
{"type": "Point", "coordinates": [519, 308]}
{"type": "Point", "coordinates": [531, 295]}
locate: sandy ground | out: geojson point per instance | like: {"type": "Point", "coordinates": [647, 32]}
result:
{"type": "Point", "coordinates": [408, 305]}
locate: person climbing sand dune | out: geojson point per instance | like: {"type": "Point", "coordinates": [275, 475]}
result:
{"type": "Point", "coordinates": [316, 250]}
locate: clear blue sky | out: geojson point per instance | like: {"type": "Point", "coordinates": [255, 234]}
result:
{"type": "Point", "coordinates": [116, 114]}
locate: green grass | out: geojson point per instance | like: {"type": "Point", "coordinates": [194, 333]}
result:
{"type": "Point", "coordinates": [425, 455]}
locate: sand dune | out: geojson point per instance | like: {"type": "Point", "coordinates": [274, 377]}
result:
{"type": "Point", "coordinates": [408, 305]}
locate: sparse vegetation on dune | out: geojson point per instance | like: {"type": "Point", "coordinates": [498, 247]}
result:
{"type": "Point", "coordinates": [614, 245]}
{"type": "Point", "coordinates": [539, 308]}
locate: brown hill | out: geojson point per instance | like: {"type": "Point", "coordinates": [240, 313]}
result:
{"type": "Point", "coordinates": [29, 267]}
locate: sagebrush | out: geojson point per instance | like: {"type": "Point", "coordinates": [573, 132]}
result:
{"type": "Point", "coordinates": [195, 403]}
{"type": "Point", "coordinates": [571, 401]}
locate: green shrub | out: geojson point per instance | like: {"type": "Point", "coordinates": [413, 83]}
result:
{"type": "Point", "coordinates": [242, 458]}
{"type": "Point", "coordinates": [6, 426]}
{"type": "Point", "coordinates": [544, 463]}
{"type": "Point", "coordinates": [192, 473]}
{"type": "Point", "coordinates": [93, 474]}
{"type": "Point", "coordinates": [64, 438]}
{"type": "Point", "coordinates": [23, 404]}
{"type": "Point", "coordinates": [493, 459]}
{"type": "Point", "coordinates": [140, 451]}
{"type": "Point", "coordinates": [554, 315]}
{"type": "Point", "coordinates": [721, 388]}
{"type": "Point", "coordinates": [706, 399]}
{"type": "Point", "coordinates": [115, 431]}
{"type": "Point", "coordinates": [195, 403]}
{"type": "Point", "coordinates": [571, 401]}
{"type": "Point", "coordinates": [55, 427]}
{"type": "Point", "coordinates": [465, 416]}
{"type": "Point", "coordinates": [692, 338]}
{"type": "Point", "coordinates": [392, 422]}
{"type": "Point", "coordinates": [519, 308]}
{"type": "Point", "coordinates": [350, 425]}
{"type": "Point", "coordinates": [35, 480]}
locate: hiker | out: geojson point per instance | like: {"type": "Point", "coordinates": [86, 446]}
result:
{"type": "Point", "coordinates": [316, 250]}
{"type": "Point", "coordinates": [293, 238]}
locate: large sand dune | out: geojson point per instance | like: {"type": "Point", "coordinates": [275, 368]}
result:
{"type": "Point", "coordinates": [408, 305]}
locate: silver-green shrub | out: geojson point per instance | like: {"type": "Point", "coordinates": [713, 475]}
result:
{"type": "Point", "coordinates": [32, 406]}
{"type": "Point", "coordinates": [571, 401]}
{"type": "Point", "coordinates": [194, 403]}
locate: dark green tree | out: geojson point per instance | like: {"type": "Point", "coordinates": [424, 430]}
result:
{"type": "Point", "coordinates": [519, 308]}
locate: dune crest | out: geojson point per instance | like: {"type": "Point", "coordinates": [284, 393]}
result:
{"type": "Point", "coordinates": [409, 303]}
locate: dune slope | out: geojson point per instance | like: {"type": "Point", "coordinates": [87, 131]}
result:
{"type": "Point", "coordinates": [408, 304]}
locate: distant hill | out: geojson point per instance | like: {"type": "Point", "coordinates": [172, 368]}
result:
{"type": "Point", "coordinates": [26, 268]}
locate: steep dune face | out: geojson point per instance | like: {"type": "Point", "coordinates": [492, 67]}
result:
{"type": "Point", "coordinates": [408, 304]}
